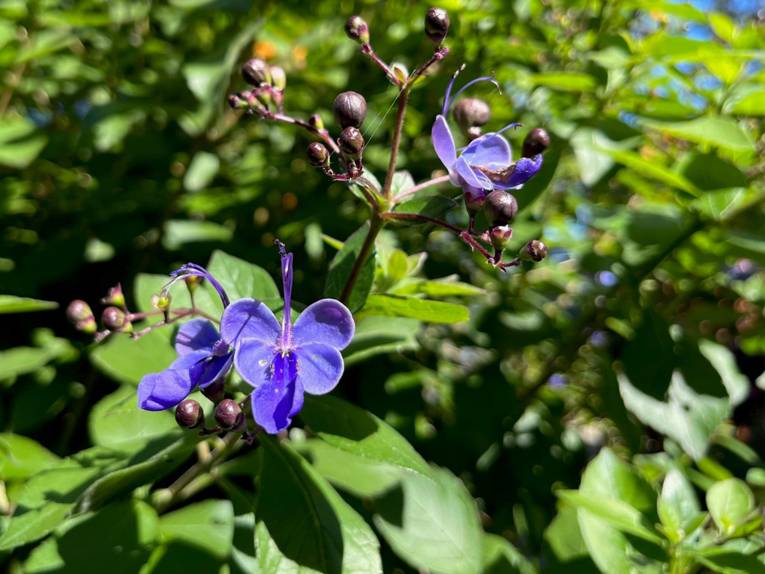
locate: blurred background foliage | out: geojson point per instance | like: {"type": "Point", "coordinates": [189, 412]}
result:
{"type": "Point", "coordinates": [642, 332]}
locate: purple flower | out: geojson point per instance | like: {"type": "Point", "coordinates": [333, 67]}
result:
{"type": "Point", "coordinates": [204, 357]}
{"type": "Point", "coordinates": [486, 163]}
{"type": "Point", "coordinates": [284, 361]}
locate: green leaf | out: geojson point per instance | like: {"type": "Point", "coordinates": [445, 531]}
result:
{"type": "Point", "coordinates": [616, 513]}
{"type": "Point", "coordinates": [358, 451]}
{"type": "Point", "coordinates": [437, 288]}
{"type": "Point", "coordinates": [677, 506]}
{"type": "Point", "coordinates": [715, 131]}
{"type": "Point", "coordinates": [651, 169]}
{"type": "Point", "coordinates": [432, 204]}
{"type": "Point", "coordinates": [608, 477]}
{"type": "Point", "coordinates": [22, 360]}
{"type": "Point", "coordinates": [746, 101]}
{"type": "Point", "coordinates": [724, 362]}
{"type": "Point", "coordinates": [179, 233]}
{"type": "Point", "coordinates": [20, 142]}
{"type": "Point", "coordinates": [303, 524]}
{"type": "Point", "coordinates": [13, 304]}
{"type": "Point", "coordinates": [341, 266]}
{"type": "Point", "coordinates": [432, 523]}
{"type": "Point", "coordinates": [117, 422]}
{"type": "Point", "coordinates": [201, 171]}
{"type": "Point", "coordinates": [127, 360]}
{"type": "Point", "coordinates": [208, 525]}
{"type": "Point", "coordinates": [565, 81]}
{"type": "Point", "coordinates": [49, 496]}
{"type": "Point", "coordinates": [501, 557]}
{"type": "Point", "coordinates": [146, 466]}
{"type": "Point", "coordinates": [413, 308]}
{"type": "Point", "coordinates": [688, 417]}
{"type": "Point", "coordinates": [22, 457]}
{"type": "Point", "coordinates": [402, 180]}
{"type": "Point", "coordinates": [242, 279]}
{"type": "Point", "coordinates": [378, 335]}
{"type": "Point", "coordinates": [118, 535]}
{"type": "Point", "coordinates": [729, 561]}
{"type": "Point", "coordinates": [730, 503]}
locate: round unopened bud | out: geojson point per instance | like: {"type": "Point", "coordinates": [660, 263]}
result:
{"type": "Point", "coordinates": [500, 235]}
{"type": "Point", "coordinates": [436, 24]}
{"type": "Point", "coordinates": [114, 319]}
{"type": "Point", "coordinates": [115, 296]}
{"type": "Point", "coordinates": [237, 101]}
{"type": "Point", "coordinates": [351, 142]}
{"type": "Point", "coordinates": [316, 122]}
{"type": "Point", "coordinates": [534, 250]}
{"type": "Point", "coordinates": [161, 301]}
{"type": "Point", "coordinates": [78, 310]}
{"type": "Point", "coordinates": [228, 414]}
{"type": "Point", "coordinates": [278, 77]}
{"type": "Point", "coordinates": [81, 316]}
{"type": "Point", "coordinates": [500, 207]}
{"type": "Point", "coordinates": [471, 112]}
{"type": "Point", "coordinates": [357, 29]}
{"type": "Point", "coordinates": [537, 141]}
{"type": "Point", "coordinates": [189, 414]}
{"type": "Point", "coordinates": [318, 154]}
{"type": "Point", "coordinates": [350, 109]}
{"type": "Point", "coordinates": [256, 72]}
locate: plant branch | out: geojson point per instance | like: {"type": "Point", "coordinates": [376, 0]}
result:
{"type": "Point", "coordinates": [400, 115]}
{"type": "Point", "coordinates": [366, 49]}
{"type": "Point", "coordinates": [375, 226]}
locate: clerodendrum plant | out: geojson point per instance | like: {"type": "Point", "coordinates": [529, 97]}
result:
{"type": "Point", "coordinates": [283, 361]}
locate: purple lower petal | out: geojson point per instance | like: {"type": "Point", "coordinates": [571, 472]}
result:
{"type": "Point", "coordinates": [491, 151]}
{"type": "Point", "coordinates": [253, 360]}
{"type": "Point", "coordinates": [159, 391]}
{"type": "Point", "coordinates": [209, 370]}
{"type": "Point", "coordinates": [280, 397]}
{"type": "Point", "coordinates": [327, 321]}
{"type": "Point", "coordinates": [470, 176]}
{"type": "Point", "coordinates": [525, 169]}
{"type": "Point", "coordinates": [249, 319]}
{"type": "Point", "coordinates": [319, 368]}
{"type": "Point", "coordinates": [443, 142]}
{"type": "Point", "coordinates": [195, 335]}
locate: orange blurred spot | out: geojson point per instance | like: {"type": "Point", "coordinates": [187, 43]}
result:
{"type": "Point", "coordinates": [299, 54]}
{"type": "Point", "coordinates": [289, 201]}
{"type": "Point", "coordinates": [264, 50]}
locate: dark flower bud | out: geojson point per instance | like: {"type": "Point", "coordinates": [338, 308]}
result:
{"type": "Point", "coordinates": [500, 207]}
{"type": "Point", "coordinates": [471, 112]}
{"type": "Point", "coordinates": [350, 109]}
{"type": "Point", "coordinates": [436, 24]}
{"type": "Point", "coordinates": [316, 122]}
{"type": "Point", "coordinates": [278, 77]}
{"type": "Point", "coordinates": [500, 235]}
{"type": "Point", "coordinates": [537, 141]}
{"type": "Point", "coordinates": [256, 72]}
{"type": "Point", "coordinates": [534, 250]}
{"type": "Point", "coordinates": [357, 29]}
{"type": "Point", "coordinates": [228, 414]}
{"type": "Point", "coordinates": [237, 101]}
{"type": "Point", "coordinates": [351, 142]}
{"type": "Point", "coordinates": [81, 316]}
{"type": "Point", "coordinates": [189, 414]}
{"type": "Point", "coordinates": [318, 154]}
{"type": "Point", "coordinates": [115, 319]}
{"type": "Point", "coordinates": [115, 296]}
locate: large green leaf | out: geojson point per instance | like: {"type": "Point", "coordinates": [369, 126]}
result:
{"type": "Point", "coordinates": [730, 503]}
{"type": "Point", "coordinates": [117, 422]}
{"type": "Point", "coordinates": [127, 360]}
{"type": "Point", "coordinates": [717, 131]}
{"type": "Point", "coordinates": [358, 452]}
{"type": "Point", "coordinates": [677, 506]}
{"type": "Point", "coordinates": [377, 335]}
{"type": "Point", "coordinates": [242, 279]}
{"type": "Point", "coordinates": [13, 304]}
{"type": "Point", "coordinates": [22, 457]}
{"type": "Point", "coordinates": [208, 524]}
{"type": "Point", "coordinates": [304, 525]}
{"type": "Point", "coordinates": [414, 308]}
{"type": "Point", "coordinates": [432, 523]}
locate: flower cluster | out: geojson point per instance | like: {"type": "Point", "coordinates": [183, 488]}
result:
{"type": "Point", "coordinates": [484, 169]}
